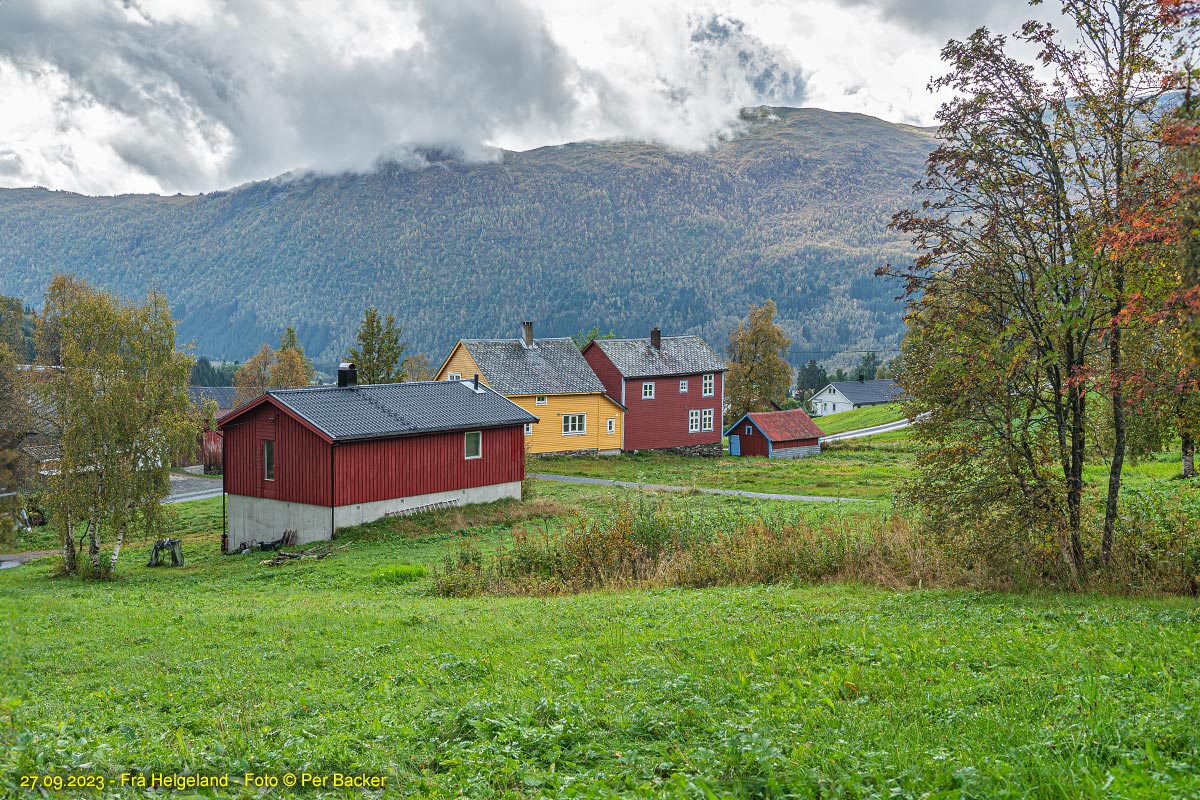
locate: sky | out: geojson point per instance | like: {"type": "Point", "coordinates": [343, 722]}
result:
{"type": "Point", "coordinates": [165, 96]}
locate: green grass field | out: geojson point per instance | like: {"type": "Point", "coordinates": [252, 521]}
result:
{"type": "Point", "coordinates": [859, 418]}
{"type": "Point", "coordinates": [349, 664]}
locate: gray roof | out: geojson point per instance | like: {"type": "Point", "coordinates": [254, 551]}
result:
{"type": "Point", "coordinates": [884, 390]}
{"type": "Point", "coordinates": [401, 409]}
{"type": "Point", "coordinates": [680, 355]}
{"type": "Point", "coordinates": [551, 366]}
{"type": "Point", "coordinates": [221, 395]}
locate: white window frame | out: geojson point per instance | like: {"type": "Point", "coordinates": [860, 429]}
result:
{"type": "Point", "coordinates": [648, 385]}
{"type": "Point", "coordinates": [749, 430]}
{"type": "Point", "coordinates": [268, 463]}
{"type": "Point", "coordinates": [706, 423]}
{"type": "Point", "coordinates": [466, 447]}
{"type": "Point", "coordinates": [453, 376]}
{"type": "Point", "coordinates": [529, 429]}
{"type": "Point", "coordinates": [541, 400]}
{"type": "Point", "coordinates": [683, 386]}
{"type": "Point", "coordinates": [708, 385]}
{"type": "Point", "coordinates": [612, 425]}
{"type": "Point", "coordinates": [569, 427]}
{"type": "Point", "coordinates": [694, 421]}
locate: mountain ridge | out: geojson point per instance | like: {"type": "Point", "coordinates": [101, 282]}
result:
{"type": "Point", "coordinates": [623, 235]}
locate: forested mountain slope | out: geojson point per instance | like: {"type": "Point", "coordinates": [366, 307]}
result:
{"type": "Point", "coordinates": [623, 235]}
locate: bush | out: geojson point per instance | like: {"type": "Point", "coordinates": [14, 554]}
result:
{"type": "Point", "coordinates": [399, 573]}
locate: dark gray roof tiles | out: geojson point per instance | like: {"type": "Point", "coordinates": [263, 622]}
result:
{"type": "Point", "coordinates": [221, 395]}
{"type": "Point", "coordinates": [680, 355]}
{"type": "Point", "coordinates": [400, 409]}
{"type": "Point", "coordinates": [551, 366]}
{"type": "Point", "coordinates": [884, 390]}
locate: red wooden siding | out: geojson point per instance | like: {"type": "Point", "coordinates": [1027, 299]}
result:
{"type": "Point", "coordinates": [753, 443]}
{"type": "Point", "coordinates": [605, 370]}
{"type": "Point", "coordinates": [382, 469]}
{"type": "Point", "coordinates": [301, 458]}
{"type": "Point", "coordinates": [663, 421]}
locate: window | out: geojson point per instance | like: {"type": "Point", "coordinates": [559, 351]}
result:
{"type": "Point", "coordinates": [707, 384]}
{"type": "Point", "coordinates": [612, 424]}
{"type": "Point", "coordinates": [529, 429]}
{"type": "Point", "coordinates": [453, 376]}
{"type": "Point", "coordinates": [648, 390]}
{"type": "Point", "coordinates": [708, 419]}
{"type": "Point", "coordinates": [694, 421]}
{"type": "Point", "coordinates": [473, 444]}
{"type": "Point", "coordinates": [574, 424]}
{"type": "Point", "coordinates": [749, 430]}
{"type": "Point", "coordinates": [541, 401]}
{"type": "Point", "coordinates": [268, 460]}
{"type": "Point", "coordinates": [683, 387]}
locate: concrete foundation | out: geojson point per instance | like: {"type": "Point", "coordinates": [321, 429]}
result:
{"type": "Point", "coordinates": [258, 519]}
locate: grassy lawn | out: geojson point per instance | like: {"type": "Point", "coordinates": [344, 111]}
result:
{"type": "Point", "coordinates": [866, 469]}
{"type": "Point", "coordinates": [226, 666]}
{"type": "Point", "coordinates": [859, 418]}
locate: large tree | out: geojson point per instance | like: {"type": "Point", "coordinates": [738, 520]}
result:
{"type": "Point", "coordinates": [379, 354]}
{"type": "Point", "coordinates": [1014, 296]}
{"type": "Point", "coordinates": [285, 368]}
{"type": "Point", "coordinates": [758, 373]}
{"type": "Point", "coordinates": [121, 398]}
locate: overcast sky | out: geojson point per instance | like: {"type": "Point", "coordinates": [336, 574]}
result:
{"type": "Point", "coordinates": [112, 96]}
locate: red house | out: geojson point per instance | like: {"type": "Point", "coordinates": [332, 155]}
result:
{"type": "Point", "coordinates": [775, 434]}
{"type": "Point", "coordinates": [319, 459]}
{"type": "Point", "coordinates": [672, 386]}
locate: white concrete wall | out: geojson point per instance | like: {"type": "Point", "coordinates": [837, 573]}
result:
{"type": "Point", "coordinates": [347, 516]}
{"type": "Point", "coordinates": [257, 519]}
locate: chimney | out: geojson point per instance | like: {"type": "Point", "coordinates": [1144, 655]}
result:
{"type": "Point", "coordinates": [656, 338]}
{"type": "Point", "coordinates": [527, 333]}
{"type": "Point", "coordinates": [477, 381]}
{"type": "Point", "coordinates": [347, 375]}
{"type": "Point", "coordinates": [861, 378]}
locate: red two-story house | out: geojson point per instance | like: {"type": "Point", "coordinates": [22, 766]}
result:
{"type": "Point", "coordinates": [672, 386]}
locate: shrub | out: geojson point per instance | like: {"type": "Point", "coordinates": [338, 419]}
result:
{"type": "Point", "coordinates": [399, 573]}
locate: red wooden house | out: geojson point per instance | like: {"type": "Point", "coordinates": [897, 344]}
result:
{"type": "Point", "coordinates": [673, 388]}
{"type": "Point", "coordinates": [319, 459]}
{"type": "Point", "coordinates": [775, 434]}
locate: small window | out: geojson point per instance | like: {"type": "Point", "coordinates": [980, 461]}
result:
{"type": "Point", "coordinates": [473, 444]}
{"type": "Point", "coordinates": [707, 384]}
{"type": "Point", "coordinates": [683, 387]}
{"type": "Point", "coordinates": [694, 421]}
{"type": "Point", "coordinates": [268, 460]}
{"type": "Point", "coordinates": [541, 401]}
{"type": "Point", "coordinates": [529, 429]}
{"type": "Point", "coordinates": [648, 390]}
{"type": "Point", "coordinates": [453, 376]}
{"type": "Point", "coordinates": [612, 424]}
{"type": "Point", "coordinates": [574, 424]}
{"type": "Point", "coordinates": [708, 419]}
{"type": "Point", "coordinates": [749, 430]}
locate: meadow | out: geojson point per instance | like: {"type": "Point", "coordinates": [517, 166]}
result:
{"type": "Point", "coordinates": [352, 664]}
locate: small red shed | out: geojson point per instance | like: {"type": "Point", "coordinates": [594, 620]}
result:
{"type": "Point", "coordinates": [775, 434]}
{"type": "Point", "coordinates": [319, 459]}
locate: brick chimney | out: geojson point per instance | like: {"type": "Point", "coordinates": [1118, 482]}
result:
{"type": "Point", "coordinates": [656, 338]}
{"type": "Point", "coordinates": [527, 333]}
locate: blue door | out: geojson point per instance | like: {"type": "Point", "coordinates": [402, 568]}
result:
{"type": "Point", "coordinates": [735, 445]}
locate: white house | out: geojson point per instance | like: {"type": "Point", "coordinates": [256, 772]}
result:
{"type": "Point", "coordinates": [848, 395]}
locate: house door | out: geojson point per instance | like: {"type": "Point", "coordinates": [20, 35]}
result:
{"type": "Point", "coordinates": [735, 445]}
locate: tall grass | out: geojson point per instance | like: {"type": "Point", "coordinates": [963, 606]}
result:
{"type": "Point", "coordinates": [642, 543]}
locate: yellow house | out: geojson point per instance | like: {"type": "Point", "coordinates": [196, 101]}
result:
{"type": "Point", "coordinates": [550, 379]}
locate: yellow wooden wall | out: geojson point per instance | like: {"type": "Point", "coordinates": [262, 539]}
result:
{"type": "Point", "coordinates": [547, 436]}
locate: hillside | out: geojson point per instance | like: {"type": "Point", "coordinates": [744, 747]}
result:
{"type": "Point", "coordinates": [623, 235]}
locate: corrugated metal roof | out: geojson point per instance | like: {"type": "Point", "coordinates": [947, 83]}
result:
{"type": "Point", "coordinates": [884, 390]}
{"type": "Point", "coordinates": [679, 355]}
{"type": "Point", "coordinates": [551, 366]}
{"type": "Point", "coordinates": [783, 426]}
{"type": "Point", "coordinates": [400, 409]}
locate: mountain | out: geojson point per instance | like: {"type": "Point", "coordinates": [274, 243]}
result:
{"type": "Point", "coordinates": [624, 235]}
